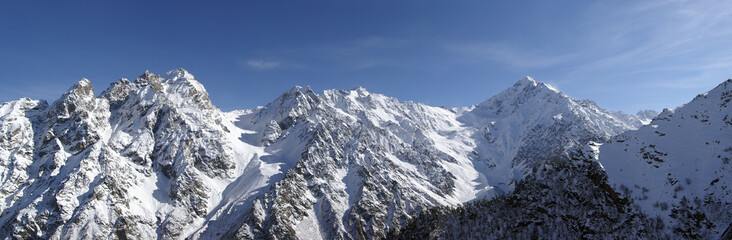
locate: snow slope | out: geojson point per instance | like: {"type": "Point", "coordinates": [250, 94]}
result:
{"type": "Point", "coordinates": [147, 159]}
{"type": "Point", "coordinates": [531, 122]}
{"type": "Point", "coordinates": [371, 161]}
{"type": "Point", "coordinates": [154, 158]}
{"type": "Point", "coordinates": [666, 180]}
{"type": "Point", "coordinates": [677, 168]}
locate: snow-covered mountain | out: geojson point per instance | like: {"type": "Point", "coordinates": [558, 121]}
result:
{"type": "Point", "coordinates": [154, 158]}
{"type": "Point", "coordinates": [677, 168]}
{"type": "Point", "coordinates": [666, 180]}
{"type": "Point", "coordinates": [531, 122]}
{"type": "Point", "coordinates": [147, 159]}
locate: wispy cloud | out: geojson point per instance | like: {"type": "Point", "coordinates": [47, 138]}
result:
{"type": "Point", "coordinates": [622, 42]}
{"type": "Point", "coordinates": [357, 54]}
{"type": "Point", "coordinates": [659, 36]}
{"type": "Point", "coordinates": [263, 65]}
{"type": "Point", "coordinates": [511, 55]}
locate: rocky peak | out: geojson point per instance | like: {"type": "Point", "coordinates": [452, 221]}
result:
{"type": "Point", "coordinates": [79, 97]}
{"type": "Point", "coordinates": [17, 107]}
{"type": "Point", "coordinates": [149, 79]}
{"type": "Point", "coordinates": [83, 88]}
{"type": "Point", "coordinates": [118, 90]}
{"type": "Point", "coordinates": [177, 75]}
{"type": "Point", "coordinates": [291, 94]}
{"type": "Point", "coordinates": [361, 91]}
{"type": "Point", "coordinates": [525, 82]}
{"type": "Point", "coordinates": [182, 88]}
{"type": "Point", "coordinates": [294, 102]}
{"type": "Point", "coordinates": [520, 93]}
{"type": "Point", "coordinates": [530, 84]}
{"type": "Point", "coordinates": [352, 96]}
{"type": "Point", "coordinates": [177, 87]}
{"type": "Point", "coordinates": [146, 76]}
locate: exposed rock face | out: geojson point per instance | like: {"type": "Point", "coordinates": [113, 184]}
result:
{"type": "Point", "coordinates": [678, 167]}
{"type": "Point", "coordinates": [666, 180]}
{"type": "Point", "coordinates": [154, 158]}
{"type": "Point", "coordinates": [17, 145]}
{"type": "Point", "coordinates": [137, 162]}
{"type": "Point", "coordinates": [369, 162]}
{"type": "Point", "coordinates": [563, 199]}
{"type": "Point", "coordinates": [533, 122]}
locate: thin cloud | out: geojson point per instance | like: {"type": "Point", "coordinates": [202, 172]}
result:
{"type": "Point", "coordinates": [263, 65]}
{"type": "Point", "coordinates": [667, 35]}
{"type": "Point", "coordinates": [358, 54]}
{"type": "Point", "coordinates": [624, 39]}
{"type": "Point", "coordinates": [510, 55]}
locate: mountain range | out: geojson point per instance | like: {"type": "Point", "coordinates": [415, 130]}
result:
{"type": "Point", "coordinates": [154, 158]}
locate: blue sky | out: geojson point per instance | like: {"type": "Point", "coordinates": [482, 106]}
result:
{"type": "Point", "coordinates": [625, 55]}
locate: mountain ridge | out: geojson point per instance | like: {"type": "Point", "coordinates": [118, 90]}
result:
{"type": "Point", "coordinates": [337, 164]}
{"type": "Point", "coordinates": [665, 180]}
{"type": "Point", "coordinates": [676, 167]}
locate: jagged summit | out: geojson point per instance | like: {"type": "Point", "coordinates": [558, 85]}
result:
{"type": "Point", "coordinates": [149, 79]}
{"type": "Point", "coordinates": [527, 87]}
{"type": "Point", "coordinates": [179, 74]}
{"type": "Point", "coordinates": [83, 83]}
{"type": "Point", "coordinates": [79, 99]}
{"type": "Point", "coordinates": [177, 86]}
{"type": "Point", "coordinates": [118, 90]}
{"type": "Point", "coordinates": [361, 91]}
{"type": "Point", "coordinates": [177, 71]}
{"type": "Point", "coordinates": [82, 87]}
{"type": "Point", "coordinates": [146, 76]}
{"type": "Point", "coordinates": [526, 81]}
{"type": "Point", "coordinates": [169, 77]}
{"type": "Point", "coordinates": [298, 88]}
{"type": "Point", "coordinates": [530, 97]}
{"type": "Point", "coordinates": [176, 76]}
{"type": "Point", "coordinates": [522, 92]}
{"type": "Point", "coordinates": [295, 93]}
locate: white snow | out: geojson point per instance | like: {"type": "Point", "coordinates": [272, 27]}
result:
{"type": "Point", "coordinates": [679, 155]}
{"type": "Point", "coordinates": [477, 145]}
{"type": "Point", "coordinates": [308, 228]}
